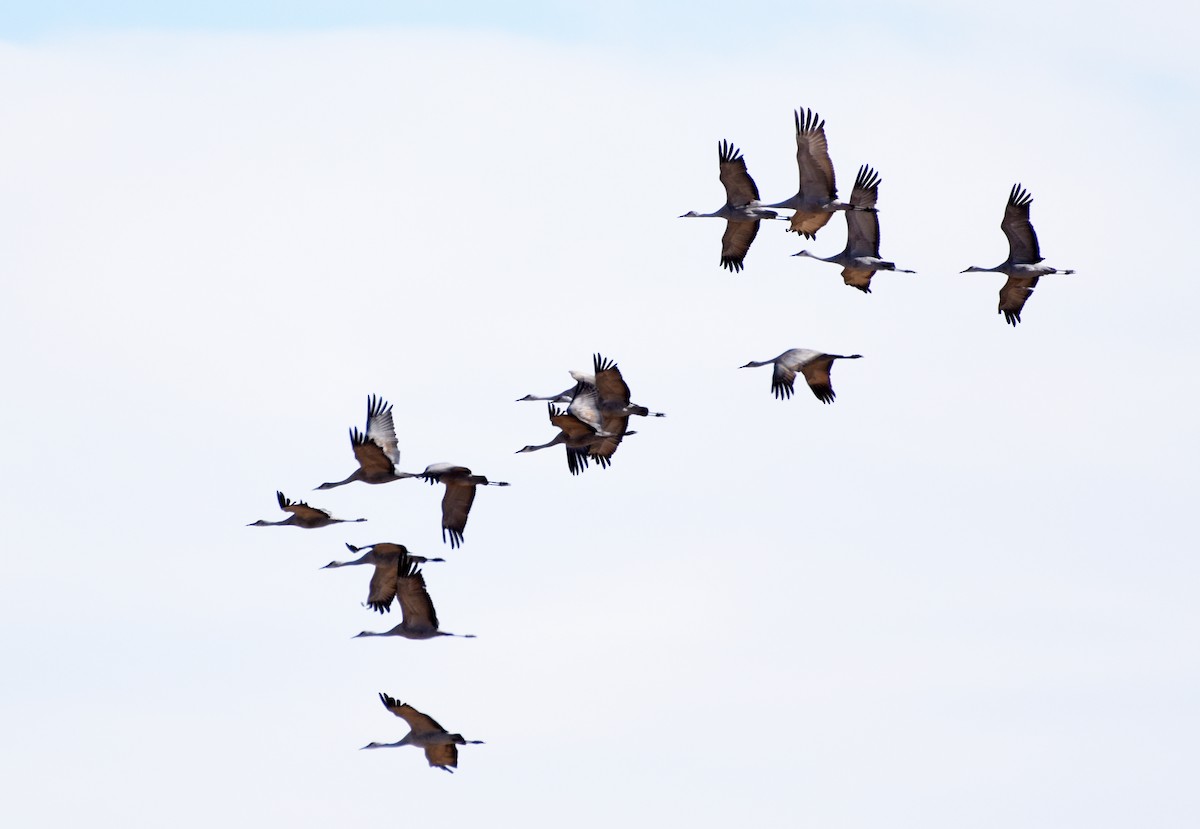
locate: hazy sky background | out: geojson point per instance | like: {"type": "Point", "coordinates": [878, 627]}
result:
{"type": "Point", "coordinates": [963, 595]}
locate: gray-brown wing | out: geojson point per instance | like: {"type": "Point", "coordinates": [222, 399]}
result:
{"type": "Point", "coordinates": [371, 457]}
{"type": "Point", "coordinates": [782, 379]}
{"type": "Point", "coordinates": [862, 238]}
{"type": "Point", "coordinates": [1013, 297]}
{"type": "Point", "coordinates": [381, 430]}
{"type": "Point", "coordinates": [858, 278]}
{"type": "Point", "coordinates": [418, 722]}
{"type": "Point", "coordinates": [816, 374]}
{"type": "Point", "coordinates": [1022, 240]}
{"type": "Point", "coordinates": [383, 581]}
{"type": "Point", "coordinates": [740, 189]}
{"type": "Point", "coordinates": [300, 509]}
{"type": "Point", "coordinates": [456, 505]}
{"type": "Point", "coordinates": [415, 603]}
{"type": "Point", "coordinates": [570, 425]}
{"type": "Point", "coordinates": [442, 756]}
{"type": "Point", "coordinates": [735, 243]}
{"type": "Point", "coordinates": [808, 222]}
{"type": "Point", "coordinates": [812, 157]}
{"type": "Point", "coordinates": [610, 385]}
{"type": "Point", "coordinates": [605, 446]}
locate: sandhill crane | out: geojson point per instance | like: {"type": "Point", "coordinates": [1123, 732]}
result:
{"type": "Point", "coordinates": [860, 260]}
{"type": "Point", "coordinates": [419, 618]}
{"type": "Point", "coordinates": [816, 200]}
{"type": "Point", "coordinates": [441, 747]}
{"type": "Point", "coordinates": [376, 447]}
{"type": "Point", "coordinates": [814, 365]}
{"type": "Point", "coordinates": [742, 209]}
{"type": "Point", "coordinates": [302, 515]}
{"type": "Point", "coordinates": [1024, 257]}
{"type": "Point", "coordinates": [386, 558]}
{"type": "Point", "coordinates": [579, 437]}
{"type": "Point", "coordinates": [460, 493]}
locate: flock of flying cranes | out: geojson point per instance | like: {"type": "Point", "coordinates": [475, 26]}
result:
{"type": "Point", "coordinates": [397, 574]}
{"type": "Point", "coordinates": [598, 406]}
{"type": "Point", "coordinates": [816, 202]}
{"type": "Point", "coordinates": [592, 426]}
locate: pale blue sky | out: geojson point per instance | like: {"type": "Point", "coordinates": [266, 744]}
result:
{"type": "Point", "coordinates": [963, 595]}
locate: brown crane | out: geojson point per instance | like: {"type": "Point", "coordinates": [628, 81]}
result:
{"type": "Point", "coordinates": [302, 515]}
{"type": "Point", "coordinates": [441, 747]}
{"type": "Point", "coordinates": [375, 447]}
{"type": "Point", "coordinates": [419, 619]}
{"type": "Point", "coordinates": [386, 558]}
{"type": "Point", "coordinates": [460, 485]}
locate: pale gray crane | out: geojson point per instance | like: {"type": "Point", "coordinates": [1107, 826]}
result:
{"type": "Point", "coordinates": [814, 365]}
{"type": "Point", "coordinates": [1023, 265]}
{"type": "Point", "coordinates": [816, 200]}
{"type": "Point", "coordinates": [860, 259]}
{"type": "Point", "coordinates": [441, 747]}
{"type": "Point", "coordinates": [419, 618]}
{"type": "Point", "coordinates": [742, 209]}
{"type": "Point", "coordinates": [460, 494]}
{"type": "Point", "coordinates": [375, 448]}
{"type": "Point", "coordinates": [386, 558]}
{"type": "Point", "coordinates": [302, 515]}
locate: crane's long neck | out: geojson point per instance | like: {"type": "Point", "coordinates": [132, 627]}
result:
{"type": "Point", "coordinates": [562, 396]}
{"type": "Point", "coordinates": [406, 741]}
{"type": "Point", "coordinates": [559, 439]}
{"type": "Point", "coordinates": [976, 269]}
{"type": "Point", "coordinates": [392, 632]}
{"type": "Point", "coordinates": [833, 258]}
{"type": "Point", "coordinates": [369, 558]}
{"type": "Point", "coordinates": [354, 476]}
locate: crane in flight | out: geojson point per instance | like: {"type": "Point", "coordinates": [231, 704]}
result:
{"type": "Point", "coordinates": [302, 515]}
{"type": "Point", "coordinates": [441, 747]}
{"type": "Point", "coordinates": [814, 365]}
{"type": "Point", "coordinates": [375, 448]}
{"type": "Point", "coordinates": [860, 259]}
{"type": "Point", "coordinates": [742, 210]}
{"type": "Point", "coordinates": [419, 619]}
{"type": "Point", "coordinates": [1023, 265]}
{"type": "Point", "coordinates": [460, 485]}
